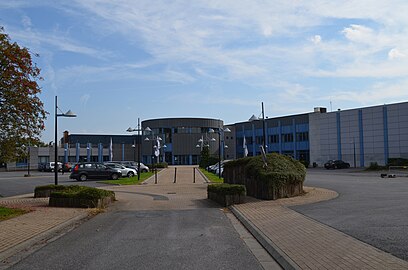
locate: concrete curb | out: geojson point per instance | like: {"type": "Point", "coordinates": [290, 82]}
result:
{"type": "Point", "coordinates": [21, 196]}
{"type": "Point", "coordinates": [152, 177]}
{"type": "Point", "coordinates": [203, 175]}
{"type": "Point", "coordinates": [284, 261]}
{"type": "Point", "coordinates": [40, 239]}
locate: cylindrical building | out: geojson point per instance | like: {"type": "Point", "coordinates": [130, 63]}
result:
{"type": "Point", "coordinates": [181, 139]}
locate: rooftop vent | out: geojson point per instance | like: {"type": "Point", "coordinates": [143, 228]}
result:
{"type": "Point", "coordinates": [320, 110]}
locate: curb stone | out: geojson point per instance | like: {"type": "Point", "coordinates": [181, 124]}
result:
{"type": "Point", "coordinates": [269, 246]}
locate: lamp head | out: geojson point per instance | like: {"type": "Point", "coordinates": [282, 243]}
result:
{"type": "Point", "coordinates": [69, 113]}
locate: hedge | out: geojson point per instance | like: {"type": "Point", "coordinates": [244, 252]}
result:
{"type": "Point", "coordinates": [281, 169]}
{"type": "Point", "coordinates": [82, 192]}
{"type": "Point", "coordinates": [160, 165]}
{"type": "Point", "coordinates": [48, 187]}
{"type": "Point", "coordinates": [227, 189]}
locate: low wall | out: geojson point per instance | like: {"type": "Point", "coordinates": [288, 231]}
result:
{"type": "Point", "coordinates": [80, 203]}
{"type": "Point", "coordinates": [226, 200]}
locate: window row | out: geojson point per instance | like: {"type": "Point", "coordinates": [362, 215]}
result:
{"type": "Point", "coordinates": [286, 137]}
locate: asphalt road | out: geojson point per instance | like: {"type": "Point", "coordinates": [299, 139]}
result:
{"type": "Point", "coordinates": [174, 239]}
{"type": "Point", "coordinates": [369, 208]}
{"type": "Point", "coordinates": [14, 183]}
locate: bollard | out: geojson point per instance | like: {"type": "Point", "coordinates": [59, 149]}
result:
{"type": "Point", "coordinates": [175, 175]}
{"type": "Point", "coordinates": [155, 176]}
{"type": "Point", "coordinates": [193, 175]}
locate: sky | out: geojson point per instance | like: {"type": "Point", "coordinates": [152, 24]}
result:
{"type": "Point", "coordinates": [112, 62]}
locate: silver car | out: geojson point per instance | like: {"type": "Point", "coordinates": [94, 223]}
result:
{"type": "Point", "coordinates": [126, 171]}
{"type": "Point", "coordinates": [133, 164]}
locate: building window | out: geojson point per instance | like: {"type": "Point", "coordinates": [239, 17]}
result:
{"type": "Point", "coordinates": [302, 136]}
{"type": "Point", "coordinates": [288, 137]}
{"type": "Point", "coordinates": [182, 130]}
{"type": "Point", "coordinates": [248, 140]}
{"type": "Point", "coordinates": [195, 130]}
{"type": "Point", "coordinates": [274, 138]}
{"type": "Point", "coordinates": [167, 135]}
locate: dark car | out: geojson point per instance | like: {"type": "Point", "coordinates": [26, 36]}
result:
{"type": "Point", "coordinates": [93, 170]}
{"type": "Point", "coordinates": [336, 164]}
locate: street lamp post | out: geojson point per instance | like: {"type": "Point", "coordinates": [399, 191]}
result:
{"type": "Point", "coordinates": [69, 113]}
{"type": "Point", "coordinates": [156, 147]}
{"type": "Point", "coordinates": [221, 133]}
{"type": "Point", "coordinates": [27, 149]}
{"type": "Point", "coordinates": [138, 129]}
{"type": "Point", "coordinates": [205, 142]}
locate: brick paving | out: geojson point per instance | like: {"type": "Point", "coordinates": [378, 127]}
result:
{"type": "Point", "coordinates": [165, 195]}
{"type": "Point", "coordinates": [41, 220]}
{"type": "Point", "coordinates": [310, 244]}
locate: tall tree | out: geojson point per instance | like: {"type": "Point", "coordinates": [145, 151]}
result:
{"type": "Point", "coordinates": [22, 112]}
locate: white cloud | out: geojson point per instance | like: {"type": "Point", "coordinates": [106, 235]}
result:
{"type": "Point", "coordinates": [358, 33]}
{"type": "Point", "coordinates": [395, 53]}
{"type": "Point", "coordinates": [316, 39]}
{"type": "Point", "coordinates": [26, 21]}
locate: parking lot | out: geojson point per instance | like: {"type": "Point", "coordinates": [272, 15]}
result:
{"type": "Point", "coordinates": [369, 208]}
{"type": "Point", "coordinates": [14, 183]}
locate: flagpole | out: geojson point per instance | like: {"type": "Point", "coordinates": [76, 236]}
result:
{"type": "Point", "coordinates": [263, 128]}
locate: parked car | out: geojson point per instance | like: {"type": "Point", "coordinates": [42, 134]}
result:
{"type": "Point", "coordinates": [133, 165]}
{"type": "Point", "coordinates": [336, 164]}
{"type": "Point", "coordinates": [126, 171]}
{"type": "Point", "coordinates": [49, 166]}
{"type": "Point", "coordinates": [41, 167]}
{"type": "Point", "coordinates": [215, 168]}
{"type": "Point", "coordinates": [94, 170]}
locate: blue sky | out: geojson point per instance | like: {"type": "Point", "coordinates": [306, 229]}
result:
{"type": "Point", "coordinates": [114, 61]}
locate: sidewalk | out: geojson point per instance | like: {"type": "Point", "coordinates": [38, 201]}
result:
{"type": "Point", "coordinates": [38, 226]}
{"type": "Point", "coordinates": [298, 242]}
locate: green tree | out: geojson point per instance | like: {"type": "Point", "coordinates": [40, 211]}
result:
{"type": "Point", "coordinates": [22, 113]}
{"type": "Point", "coordinates": [205, 156]}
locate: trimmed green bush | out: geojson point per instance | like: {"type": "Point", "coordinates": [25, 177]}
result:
{"type": "Point", "coordinates": [281, 169]}
{"type": "Point", "coordinates": [226, 194]}
{"type": "Point", "coordinates": [80, 196]}
{"type": "Point", "coordinates": [227, 189]}
{"type": "Point", "coordinates": [82, 192]}
{"type": "Point", "coordinates": [45, 191]}
{"type": "Point", "coordinates": [282, 177]}
{"type": "Point", "coordinates": [375, 167]}
{"type": "Point", "coordinates": [397, 162]}
{"type": "Point", "coordinates": [48, 187]}
{"type": "Point", "coordinates": [160, 165]}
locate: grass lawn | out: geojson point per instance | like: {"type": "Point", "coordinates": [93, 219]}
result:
{"type": "Point", "coordinates": [129, 181]}
{"type": "Point", "coordinates": [6, 213]}
{"type": "Point", "coordinates": [212, 176]}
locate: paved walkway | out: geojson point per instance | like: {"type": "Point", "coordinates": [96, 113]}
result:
{"type": "Point", "coordinates": [35, 227]}
{"type": "Point", "coordinates": [295, 241]}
